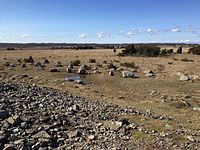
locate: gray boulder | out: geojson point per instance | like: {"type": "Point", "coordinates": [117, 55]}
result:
{"type": "Point", "coordinates": [69, 70]}
{"type": "Point", "coordinates": [82, 69]}
{"type": "Point", "coordinates": [149, 73]}
{"type": "Point", "coordinates": [184, 77]}
{"type": "Point", "coordinates": [54, 70]}
{"type": "Point", "coordinates": [46, 61]}
{"type": "Point", "coordinates": [70, 66]}
{"type": "Point", "coordinates": [127, 74]}
{"type": "Point", "coordinates": [111, 73]}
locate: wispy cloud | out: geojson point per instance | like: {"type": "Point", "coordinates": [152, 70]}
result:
{"type": "Point", "coordinates": [101, 34]}
{"type": "Point", "coordinates": [83, 35]}
{"type": "Point", "coordinates": [151, 31]}
{"type": "Point", "coordinates": [130, 33]}
{"type": "Point", "coordinates": [175, 30]}
{"type": "Point", "coordinates": [25, 35]}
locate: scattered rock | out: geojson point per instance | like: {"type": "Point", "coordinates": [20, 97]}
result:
{"type": "Point", "coordinates": [14, 120]}
{"type": "Point", "coordinates": [149, 73]}
{"type": "Point", "coordinates": [41, 134]}
{"type": "Point", "coordinates": [9, 147]}
{"type": "Point", "coordinates": [111, 73]}
{"type": "Point", "coordinates": [127, 74]}
{"type": "Point", "coordinates": [59, 64]}
{"type": "Point", "coordinates": [82, 69]}
{"type": "Point", "coordinates": [37, 64]}
{"type": "Point", "coordinates": [23, 66]}
{"type": "Point", "coordinates": [183, 77]}
{"type": "Point", "coordinates": [196, 109]}
{"type": "Point", "coordinates": [79, 81]}
{"type": "Point", "coordinates": [29, 60]}
{"type": "Point", "coordinates": [54, 70]}
{"type": "Point", "coordinates": [74, 134]}
{"type": "Point", "coordinates": [70, 66]}
{"type": "Point", "coordinates": [91, 137]}
{"type": "Point", "coordinates": [7, 64]}
{"type": "Point", "coordinates": [69, 70]}
{"type": "Point", "coordinates": [46, 61]}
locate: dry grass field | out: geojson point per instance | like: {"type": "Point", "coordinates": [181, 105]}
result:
{"type": "Point", "coordinates": [161, 94]}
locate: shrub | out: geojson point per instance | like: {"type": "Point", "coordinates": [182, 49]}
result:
{"type": "Point", "coordinates": [141, 50]}
{"type": "Point", "coordinates": [179, 50]}
{"type": "Point", "coordinates": [92, 60]}
{"type": "Point", "coordinates": [10, 48]}
{"type": "Point", "coordinates": [194, 50]}
{"type": "Point", "coordinates": [129, 65]}
{"type": "Point", "coordinates": [76, 62]}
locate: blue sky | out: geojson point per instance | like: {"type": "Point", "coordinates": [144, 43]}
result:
{"type": "Point", "coordinates": [100, 21]}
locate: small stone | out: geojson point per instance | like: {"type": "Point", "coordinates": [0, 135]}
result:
{"type": "Point", "coordinates": [69, 70]}
{"type": "Point", "coordinates": [14, 121]}
{"type": "Point", "coordinates": [9, 147]}
{"type": "Point", "coordinates": [91, 137]}
{"type": "Point", "coordinates": [82, 69]}
{"type": "Point", "coordinates": [54, 70]}
{"type": "Point", "coordinates": [41, 134]}
{"type": "Point", "coordinates": [149, 73]}
{"type": "Point", "coordinates": [111, 73]}
{"type": "Point", "coordinates": [59, 64]}
{"type": "Point", "coordinates": [184, 77]}
{"type": "Point", "coordinates": [23, 66]}
{"type": "Point", "coordinates": [127, 74]}
{"type": "Point", "coordinates": [79, 81]}
{"type": "Point", "coordinates": [70, 66]}
{"type": "Point", "coordinates": [46, 61]}
{"type": "Point", "coordinates": [73, 134]}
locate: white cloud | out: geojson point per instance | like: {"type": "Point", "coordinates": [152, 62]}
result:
{"type": "Point", "coordinates": [101, 34]}
{"type": "Point", "coordinates": [176, 30]}
{"type": "Point", "coordinates": [1, 38]}
{"type": "Point", "coordinates": [25, 36]}
{"type": "Point", "coordinates": [130, 33]}
{"type": "Point", "coordinates": [184, 41]}
{"type": "Point", "coordinates": [151, 31]}
{"type": "Point", "coordinates": [83, 35]}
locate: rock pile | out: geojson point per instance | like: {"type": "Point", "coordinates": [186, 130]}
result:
{"type": "Point", "coordinates": [40, 118]}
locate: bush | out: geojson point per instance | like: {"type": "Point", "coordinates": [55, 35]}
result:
{"type": "Point", "coordinates": [194, 50]}
{"type": "Point", "coordinates": [179, 50]}
{"type": "Point", "coordinates": [76, 62]}
{"type": "Point", "coordinates": [129, 65]}
{"type": "Point", "coordinates": [141, 50]}
{"type": "Point", "coordinates": [10, 49]}
{"type": "Point", "coordinates": [92, 60]}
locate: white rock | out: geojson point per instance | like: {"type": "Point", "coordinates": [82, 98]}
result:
{"type": "Point", "coordinates": [127, 74]}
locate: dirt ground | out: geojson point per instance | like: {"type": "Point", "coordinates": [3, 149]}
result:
{"type": "Point", "coordinates": [132, 92]}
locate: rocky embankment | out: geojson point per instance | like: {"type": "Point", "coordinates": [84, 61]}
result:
{"type": "Point", "coordinates": [41, 118]}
